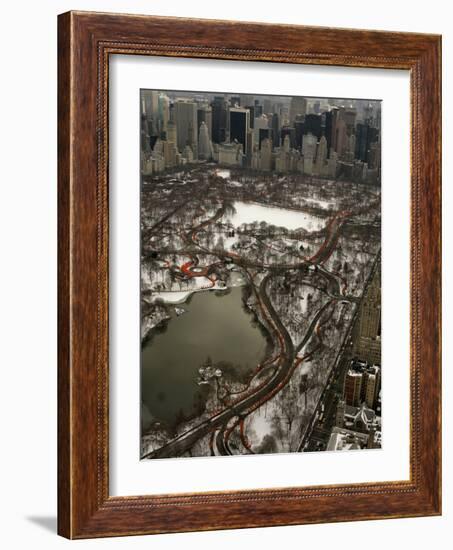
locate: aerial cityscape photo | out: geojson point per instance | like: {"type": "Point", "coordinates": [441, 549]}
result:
{"type": "Point", "coordinates": [260, 274]}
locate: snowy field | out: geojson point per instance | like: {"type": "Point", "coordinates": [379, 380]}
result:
{"type": "Point", "coordinates": [291, 219]}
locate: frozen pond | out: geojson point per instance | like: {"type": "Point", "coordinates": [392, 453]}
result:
{"type": "Point", "coordinates": [291, 219]}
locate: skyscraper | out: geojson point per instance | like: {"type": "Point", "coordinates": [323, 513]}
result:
{"type": "Point", "coordinates": [288, 131]}
{"type": "Point", "coordinates": [365, 136]}
{"type": "Point", "coordinates": [309, 146]}
{"type": "Point", "coordinates": [171, 132]}
{"type": "Point", "coordinates": [298, 106]}
{"type": "Point", "coordinates": [352, 390]}
{"type": "Point", "coordinates": [362, 383]}
{"type": "Point", "coordinates": [299, 129]}
{"type": "Point", "coordinates": [204, 114]}
{"type": "Point", "coordinates": [341, 136]}
{"type": "Point", "coordinates": [286, 143]}
{"type": "Point", "coordinates": [368, 339]}
{"type": "Point", "coordinates": [313, 125]}
{"type": "Point", "coordinates": [264, 133]}
{"type": "Point", "coordinates": [276, 129]}
{"type": "Point", "coordinates": [219, 119]}
{"type": "Point", "coordinates": [163, 112]}
{"type": "Point", "coordinates": [266, 155]}
{"type": "Point", "coordinates": [331, 129]}
{"type": "Point", "coordinates": [186, 125]}
{"type": "Point", "coordinates": [257, 108]}
{"type": "Point", "coordinates": [261, 123]}
{"type": "Point", "coordinates": [204, 143]}
{"type": "Point", "coordinates": [321, 155]}
{"type": "Point", "coordinates": [150, 99]}
{"type": "Point", "coordinates": [239, 126]}
{"type": "Point", "coordinates": [251, 108]}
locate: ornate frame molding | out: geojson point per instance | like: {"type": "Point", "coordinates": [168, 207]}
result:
{"type": "Point", "coordinates": [86, 40]}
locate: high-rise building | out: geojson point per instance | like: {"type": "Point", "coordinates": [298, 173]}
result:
{"type": "Point", "coordinates": [246, 99]}
{"type": "Point", "coordinates": [339, 416]}
{"type": "Point", "coordinates": [286, 143]}
{"type": "Point", "coordinates": [267, 106]}
{"type": "Point", "coordinates": [331, 129]}
{"type": "Point", "coordinates": [251, 108]}
{"type": "Point", "coordinates": [367, 337]}
{"type": "Point", "coordinates": [374, 156]}
{"type": "Point", "coordinates": [299, 130]}
{"type": "Point", "coordinates": [276, 130]}
{"type": "Point", "coordinates": [344, 128]}
{"type": "Point", "coordinates": [163, 112]}
{"type": "Point", "coordinates": [313, 123]}
{"type": "Point", "coordinates": [362, 384]}
{"type": "Point", "coordinates": [170, 154]}
{"type": "Point", "coordinates": [264, 133]}
{"type": "Point", "coordinates": [365, 136]}
{"type": "Point", "coordinates": [352, 390]}
{"type": "Point", "coordinates": [309, 146]}
{"type": "Point", "coordinates": [187, 153]}
{"type": "Point", "coordinates": [171, 132]}
{"type": "Point", "coordinates": [204, 143]}
{"type": "Point", "coordinates": [150, 110]}
{"type": "Point", "coordinates": [332, 165]}
{"type": "Point", "coordinates": [371, 385]}
{"type": "Point", "coordinates": [260, 123]}
{"type": "Point", "coordinates": [341, 138]}
{"type": "Point", "coordinates": [150, 103]}
{"type": "Point", "coordinates": [239, 126]}
{"type": "Point", "coordinates": [204, 114]}
{"type": "Point", "coordinates": [298, 106]}
{"type": "Point", "coordinates": [266, 155]}
{"type": "Point", "coordinates": [230, 154]}
{"type": "Point", "coordinates": [361, 141]}
{"type": "Point", "coordinates": [258, 108]}
{"type": "Point", "coordinates": [144, 136]}
{"type": "Point", "coordinates": [219, 119]}
{"type": "Point", "coordinates": [186, 125]}
{"type": "Point", "coordinates": [349, 116]}
{"type": "Point", "coordinates": [321, 156]}
{"type": "Point", "coordinates": [291, 132]}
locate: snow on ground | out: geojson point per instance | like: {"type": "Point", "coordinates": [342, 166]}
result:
{"type": "Point", "coordinates": [173, 297]}
{"type": "Point", "coordinates": [178, 297]}
{"type": "Point", "coordinates": [319, 202]}
{"type": "Point", "coordinates": [223, 173]}
{"type": "Point", "coordinates": [229, 242]}
{"type": "Point", "coordinates": [236, 279]}
{"type": "Point", "coordinates": [291, 219]}
{"type": "Point", "coordinates": [259, 423]}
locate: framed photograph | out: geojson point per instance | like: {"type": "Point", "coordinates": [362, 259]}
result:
{"type": "Point", "coordinates": [249, 275]}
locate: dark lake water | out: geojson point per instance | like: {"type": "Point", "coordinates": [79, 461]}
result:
{"type": "Point", "coordinates": [215, 326]}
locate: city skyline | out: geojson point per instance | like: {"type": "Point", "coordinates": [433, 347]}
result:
{"type": "Point", "coordinates": [326, 137]}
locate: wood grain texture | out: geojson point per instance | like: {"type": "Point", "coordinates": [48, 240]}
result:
{"type": "Point", "coordinates": [86, 40]}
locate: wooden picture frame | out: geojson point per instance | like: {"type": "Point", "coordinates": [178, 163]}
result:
{"type": "Point", "coordinates": [85, 42]}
